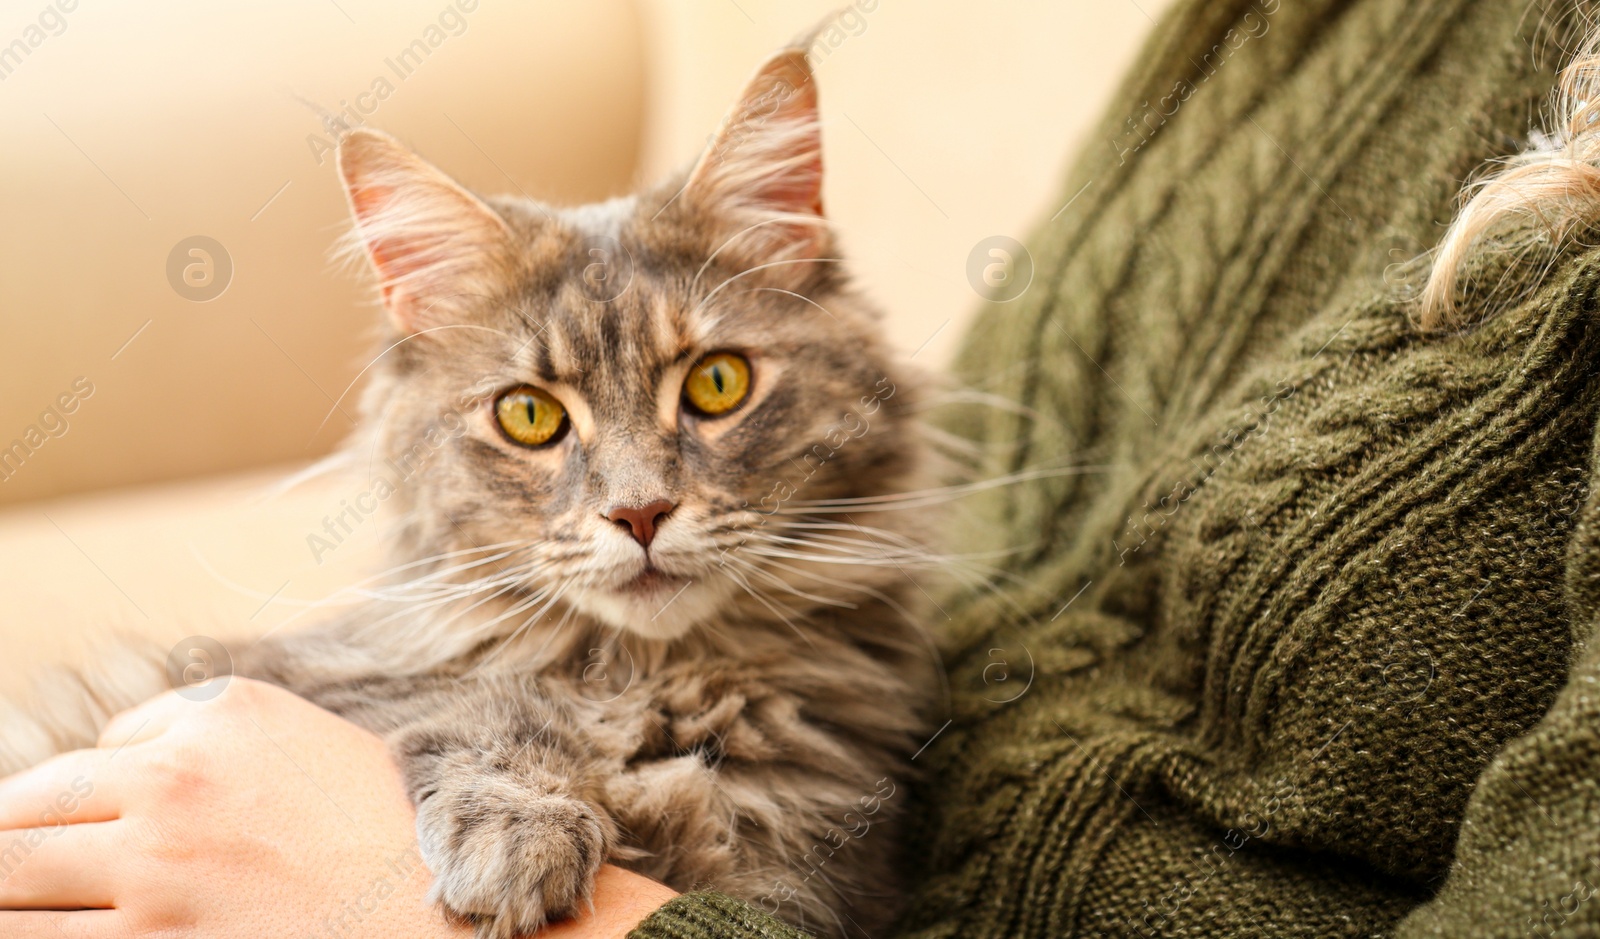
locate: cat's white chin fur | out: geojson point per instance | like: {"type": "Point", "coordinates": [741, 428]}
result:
{"type": "Point", "coordinates": [661, 615]}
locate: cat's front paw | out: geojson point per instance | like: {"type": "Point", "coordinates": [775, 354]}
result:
{"type": "Point", "coordinates": [508, 858]}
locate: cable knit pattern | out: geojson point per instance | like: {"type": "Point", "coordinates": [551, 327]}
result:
{"type": "Point", "coordinates": [1304, 651]}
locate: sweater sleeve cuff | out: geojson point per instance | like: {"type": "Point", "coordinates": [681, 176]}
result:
{"type": "Point", "coordinates": [712, 916]}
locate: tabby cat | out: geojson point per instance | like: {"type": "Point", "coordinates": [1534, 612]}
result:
{"type": "Point", "coordinates": [651, 601]}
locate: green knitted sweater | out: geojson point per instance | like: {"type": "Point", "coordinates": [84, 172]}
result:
{"type": "Point", "coordinates": [1302, 649]}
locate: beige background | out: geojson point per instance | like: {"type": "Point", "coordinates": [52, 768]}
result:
{"type": "Point", "coordinates": [144, 123]}
{"type": "Point", "coordinates": [139, 125]}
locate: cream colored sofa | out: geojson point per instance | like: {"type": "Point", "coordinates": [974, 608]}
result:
{"type": "Point", "coordinates": [153, 505]}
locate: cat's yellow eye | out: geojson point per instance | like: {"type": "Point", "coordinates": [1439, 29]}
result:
{"type": "Point", "coordinates": [717, 383]}
{"type": "Point", "coordinates": [530, 417]}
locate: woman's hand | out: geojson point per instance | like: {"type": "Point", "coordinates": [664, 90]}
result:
{"type": "Point", "coordinates": [254, 814]}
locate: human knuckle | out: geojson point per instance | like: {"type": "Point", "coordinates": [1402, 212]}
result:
{"type": "Point", "coordinates": [176, 773]}
{"type": "Point", "coordinates": [163, 845]}
{"type": "Point", "coordinates": [161, 921]}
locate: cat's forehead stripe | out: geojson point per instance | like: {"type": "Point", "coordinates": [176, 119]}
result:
{"type": "Point", "coordinates": [557, 359]}
{"type": "Point", "coordinates": [666, 327]}
{"type": "Point", "coordinates": [639, 332]}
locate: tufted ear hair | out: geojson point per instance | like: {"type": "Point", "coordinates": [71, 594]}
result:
{"type": "Point", "coordinates": [435, 246]}
{"type": "Point", "coordinates": [765, 163]}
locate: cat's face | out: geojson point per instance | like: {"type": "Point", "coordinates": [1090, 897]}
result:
{"type": "Point", "coordinates": [635, 399]}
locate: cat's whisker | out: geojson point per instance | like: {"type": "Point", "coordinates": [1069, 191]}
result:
{"type": "Point", "coordinates": [898, 561]}
{"type": "Point", "coordinates": [922, 498]}
{"type": "Point", "coordinates": [395, 345]}
{"type": "Point", "coordinates": [940, 399]}
{"type": "Point", "coordinates": [477, 631]}
{"type": "Point", "coordinates": [544, 595]}
{"type": "Point", "coordinates": [786, 615]}
{"type": "Point", "coordinates": [906, 566]}
{"type": "Point", "coordinates": [487, 598]}
{"type": "Point", "coordinates": [788, 218]}
{"type": "Point", "coordinates": [424, 588]}
{"type": "Point", "coordinates": [426, 593]}
{"type": "Point", "coordinates": [408, 611]}
{"type": "Point", "coordinates": [803, 524]}
{"type": "Point", "coordinates": [405, 607]}
{"type": "Point", "coordinates": [953, 447]}
{"type": "Point", "coordinates": [409, 606]}
{"type": "Point", "coordinates": [328, 464]}
{"type": "Point", "coordinates": [825, 523]}
{"type": "Point", "coordinates": [841, 544]}
{"type": "Point", "coordinates": [445, 575]}
{"type": "Point", "coordinates": [860, 587]}
{"type": "Point", "coordinates": [796, 591]}
{"type": "Point", "coordinates": [760, 267]}
{"type": "Point", "coordinates": [769, 551]}
{"type": "Point", "coordinates": [566, 618]}
{"type": "Point", "coordinates": [443, 556]}
{"type": "Point", "coordinates": [797, 296]}
{"type": "Point", "coordinates": [783, 611]}
{"type": "Point", "coordinates": [819, 538]}
{"type": "Point", "coordinates": [982, 577]}
{"type": "Point", "coordinates": [919, 629]}
{"type": "Point", "coordinates": [525, 625]}
{"type": "Point", "coordinates": [848, 552]}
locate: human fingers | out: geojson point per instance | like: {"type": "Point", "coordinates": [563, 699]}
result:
{"type": "Point", "coordinates": [69, 867]}
{"type": "Point", "coordinates": [66, 789]}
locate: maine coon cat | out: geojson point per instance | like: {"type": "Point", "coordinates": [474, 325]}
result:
{"type": "Point", "coordinates": [650, 601]}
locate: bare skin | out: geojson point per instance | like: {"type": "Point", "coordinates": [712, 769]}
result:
{"type": "Point", "coordinates": [254, 814]}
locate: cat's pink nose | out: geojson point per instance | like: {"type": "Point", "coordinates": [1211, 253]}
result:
{"type": "Point", "coordinates": [641, 519]}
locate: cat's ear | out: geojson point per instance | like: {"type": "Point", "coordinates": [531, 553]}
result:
{"type": "Point", "coordinates": [435, 246]}
{"type": "Point", "coordinates": [765, 162]}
